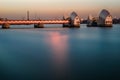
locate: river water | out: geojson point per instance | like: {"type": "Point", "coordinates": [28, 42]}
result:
{"type": "Point", "coordinates": [86, 53]}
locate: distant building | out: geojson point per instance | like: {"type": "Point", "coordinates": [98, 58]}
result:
{"type": "Point", "coordinates": [119, 20]}
{"type": "Point", "coordinates": [66, 18]}
{"type": "Point", "coordinates": [105, 19]}
{"type": "Point", "coordinates": [81, 20]}
{"type": "Point", "coordinates": [1, 19]}
{"type": "Point", "coordinates": [115, 21]}
{"type": "Point", "coordinates": [92, 21]}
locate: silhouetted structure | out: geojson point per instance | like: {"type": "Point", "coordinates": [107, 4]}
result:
{"type": "Point", "coordinates": [84, 21]}
{"type": "Point", "coordinates": [66, 18]}
{"type": "Point", "coordinates": [119, 20]}
{"type": "Point", "coordinates": [1, 19]}
{"type": "Point", "coordinates": [116, 20]}
{"type": "Point", "coordinates": [92, 21]}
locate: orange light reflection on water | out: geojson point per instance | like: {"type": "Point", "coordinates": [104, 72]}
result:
{"type": "Point", "coordinates": [59, 45]}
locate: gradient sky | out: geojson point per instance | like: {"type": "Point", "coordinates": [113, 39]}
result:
{"type": "Point", "coordinates": [17, 9]}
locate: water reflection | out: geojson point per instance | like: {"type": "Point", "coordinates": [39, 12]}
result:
{"type": "Point", "coordinates": [42, 54]}
{"type": "Point", "coordinates": [59, 47]}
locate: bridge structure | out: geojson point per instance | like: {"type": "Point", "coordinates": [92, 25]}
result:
{"type": "Point", "coordinates": [37, 23]}
{"type": "Point", "coordinates": [72, 21]}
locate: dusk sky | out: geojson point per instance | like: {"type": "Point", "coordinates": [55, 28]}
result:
{"type": "Point", "coordinates": [17, 9]}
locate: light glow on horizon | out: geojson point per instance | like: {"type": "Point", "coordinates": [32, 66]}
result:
{"type": "Point", "coordinates": [54, 8]}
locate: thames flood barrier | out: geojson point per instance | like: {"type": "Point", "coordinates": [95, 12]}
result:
{"type": "Point", "coordinates": [72, 22]}
{"type": "Point", "coordinates": [104, 20]}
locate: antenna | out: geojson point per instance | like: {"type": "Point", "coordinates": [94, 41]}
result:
{"type": "Point", "coordinates": [28, 15]}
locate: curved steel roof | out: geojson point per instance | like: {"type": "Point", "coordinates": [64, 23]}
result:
{"type": "Point", "coordinates": [104, 13]}
{"type": "Point", "coordinates": [73, 14]}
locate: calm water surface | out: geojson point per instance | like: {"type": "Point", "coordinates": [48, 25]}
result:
{"type": "Point", "coordinates": [60, 53]}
